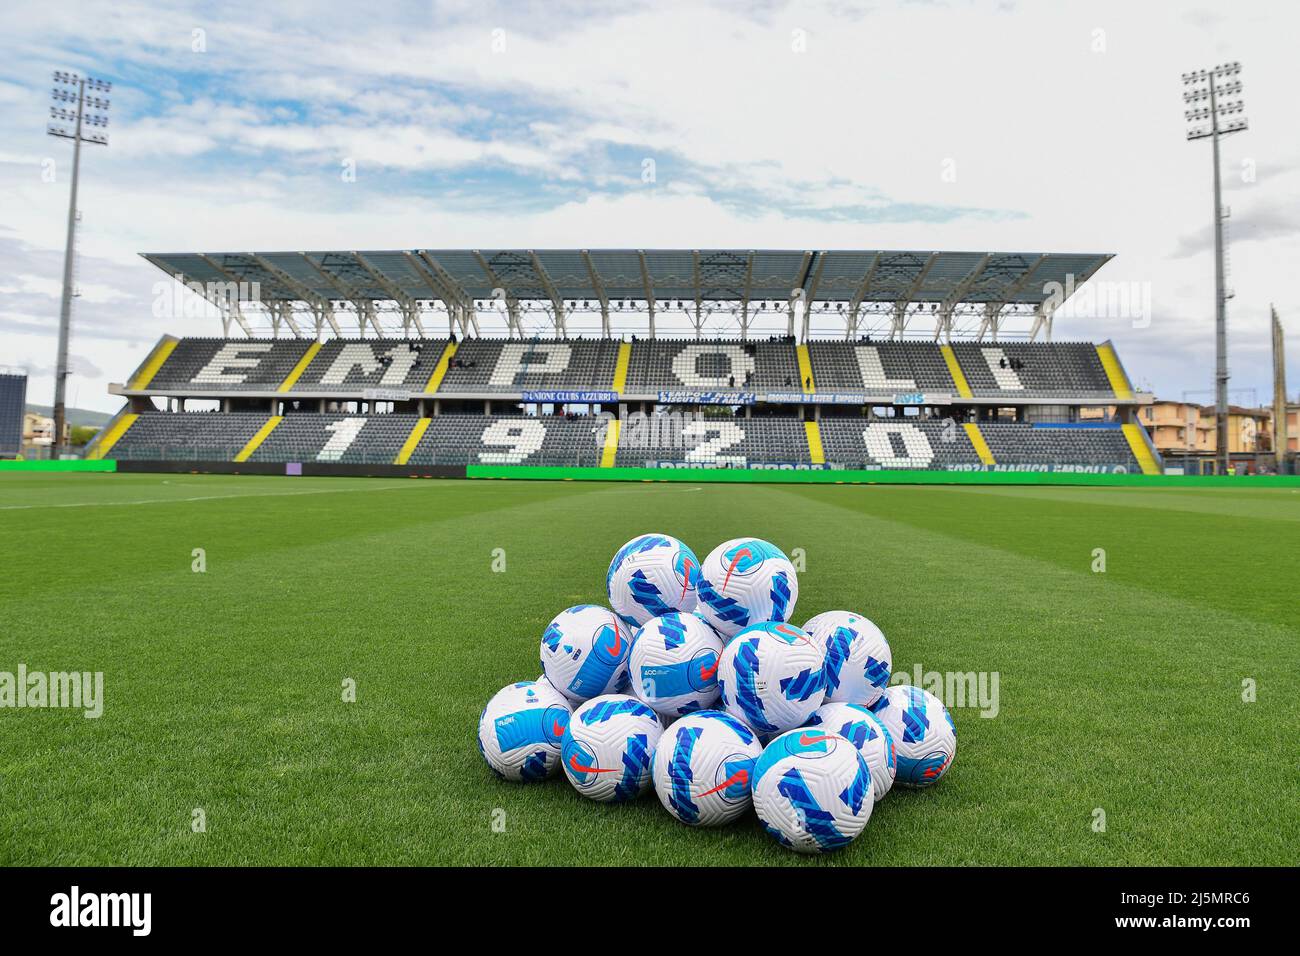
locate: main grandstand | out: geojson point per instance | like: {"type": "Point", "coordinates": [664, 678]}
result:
{"type": "Point", "coordinates": [691, 358]}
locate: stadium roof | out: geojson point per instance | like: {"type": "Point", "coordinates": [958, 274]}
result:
{"type": "Point", "coordinates": [849, 279]}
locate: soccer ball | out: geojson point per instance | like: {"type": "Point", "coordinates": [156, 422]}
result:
{"type": "Point", "coordinates": [650, 576]}
{"type": "Point", "coordinates": [674, 664]}
{"type": "Point", "coordinates": [608, 747]}
{"type": "Point", "coordinates": [584, 652]}
{"type": "Point", "coordinates": [860, 727]}
{"type": "Point", "coordinates": [520, 729]}
{"type": "Point", "coordinates": [746, 581]}
{"type": "Point", "coordinates": [858, 659]}
{"type": "Point", "coordinates": [772, 677]}
{"type": "Point", "coordinates": [702, 768]}
{"type": "Point", "coordinates": [812, 790]}
{"type": "Point", "coordinates": [925, 738]}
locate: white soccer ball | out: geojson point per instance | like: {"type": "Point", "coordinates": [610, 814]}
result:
{"type": "Point", "coordinates": [702, 768]}
{"type": "Point", "coordinates": [585, 651]}
{"type": "Point", "coordinates": [608, 747]}
{"type": "Point", "coordinates": [925, 738]}
{"type": "Point", "coordinates": [812, 790]}
{"type": "Point", "coordinates": [746, 581]}
{"type": "Point", "coordinates": [858, 658]}
{"type": "Point", "coordinates": [772, 676]}
{"type": "Point", "coordinates": [860, 727]}
{"type": "Point", "coordinates": [520, 730]}
{"type": "Point", "coordinates": [651, 575]}
{"type": "Point", "coordinates": [674, 664]}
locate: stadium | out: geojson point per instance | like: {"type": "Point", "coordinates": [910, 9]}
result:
{"type": "Point", "coordinates": [542, 495]}
{"type": "Point", "coordinates": [933, 376]}
{"type": "Point", "coordinates": [308, 397]}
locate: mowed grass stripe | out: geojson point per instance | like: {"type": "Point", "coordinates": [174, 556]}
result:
{"type": "Point", "coordinates": [1241, 565]}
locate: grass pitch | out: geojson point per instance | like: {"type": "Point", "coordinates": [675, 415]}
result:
{"type": "Point", "coordinates": [1118, 691]}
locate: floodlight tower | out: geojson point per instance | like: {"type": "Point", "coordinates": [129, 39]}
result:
{"type": "Point", "coordinates": [71, 107]}
{"type": "Point", "coordinates": [1211, 117]}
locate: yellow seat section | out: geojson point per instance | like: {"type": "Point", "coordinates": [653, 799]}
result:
{"type": "Point", "coordinates": [413, 439]}
{"type": "Point", "coordinates": [260, 437]}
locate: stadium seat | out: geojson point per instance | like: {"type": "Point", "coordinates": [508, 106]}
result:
{"type": "Point", "coordinates": [649, 440]}
{"type": "Point", "coordinates": [213, 366]}
{"type": "Point", "coordinates": [883, 368]}
{"type": "Point", "coordinates": [188, 436]}
{"type": "Point", "coordinates": [494, 365]}
{"type": "Point", "coordinates": [702, 365]}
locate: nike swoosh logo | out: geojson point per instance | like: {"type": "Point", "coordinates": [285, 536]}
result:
{"type": "Point", "coordinates": [573, 762]}
{"type": "Point", "coordinates": [708, 673]}
{"type": "Point", "coordinates": [807, 741]}
{"type": "Point", "coordinates": [743, 552]}
{"type": "Point", "coordinates": [687, 585]}
{"type": "Point", "coordinates": [737, 778]}
{"type": "Point", "coordinates": [790, 632]}
{"type": "Point", "coordinates": [556, 729]}
{"type": "Point", "coordinates": [618, 642]}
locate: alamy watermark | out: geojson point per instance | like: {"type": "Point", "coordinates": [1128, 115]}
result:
{"type": "Point", "coordinates": [68, 690]}
{"type": "Point", "coordinates": [957, 689]}
{"type": "Point", "coordinates": [1099, 299]}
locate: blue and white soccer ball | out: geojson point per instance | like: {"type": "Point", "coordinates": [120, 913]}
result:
{"type": "Point", "coordinates": [674, 664]}
{"type": "Point", "coordinates": [608, 748]}
{"type": "Point", "coordinates": [925, 738]}
{"type": "Point", "coordinates": [585, 651]}
{"type": "Point", "coordinates": [772, 676]}
{"type": "Point", "coordinates": [651, 575]}
{"type": "Point", "coordinates": [702, 768]}
{"type": "Point", "coordinates": [812, 790]}
{"type": "Point", "coordinates": [520, 730]}
{"type": "Point", "coordinates": [864, 730]}
{"type": "Point", "coordinates": [746, 581]}
{"type": "Point", "coordinates": [858, 658]}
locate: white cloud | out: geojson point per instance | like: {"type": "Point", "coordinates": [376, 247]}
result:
{"type": "Point", "coordinates": [1055, 146]}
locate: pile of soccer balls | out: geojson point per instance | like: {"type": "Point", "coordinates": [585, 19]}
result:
{"type": "Point", "coordinates": [697, 680]}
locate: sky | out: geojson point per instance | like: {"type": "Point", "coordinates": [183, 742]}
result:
{"type": "Point", "coordinates": [962, 125]}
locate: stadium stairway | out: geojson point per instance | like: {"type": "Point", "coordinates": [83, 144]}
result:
{"type": "Point", "coordinates": [816, 453]}
{"type": "Point", "coordinates": [412, 440]}
{"type": "Point", "coordinates": [978, 443]}
{"type": "Point", "coordinates": [291, 379]}
{"type": "Point", "coordinates": [262, 434]}
{"type": "Point", "coordinates": [806, 381]}
{"type": "Point", "coordinates": [609, 452]}
{"type": "Point", "coordinates": [110, 435]}
{"type": "Point", "coordinates": [954, 369]}
{"type": "Point", "coordinates": [620, 366]}
{"type": "Point", "coordinates": [1119, 382]}
{"type": "Point", "coordinates": [1142, 449]}
{"type": "Point", "coordinates": [440, 370]}
{"type": "Point", "coordinates": [153, 362]}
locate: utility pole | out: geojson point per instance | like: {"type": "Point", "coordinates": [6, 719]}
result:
{"type": "Point", "coordinates": [79, 112]}
{"type": "Point", "coordinates": [1280, 436]}
{"type": "Point", "coordinates": [1204, 89]}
